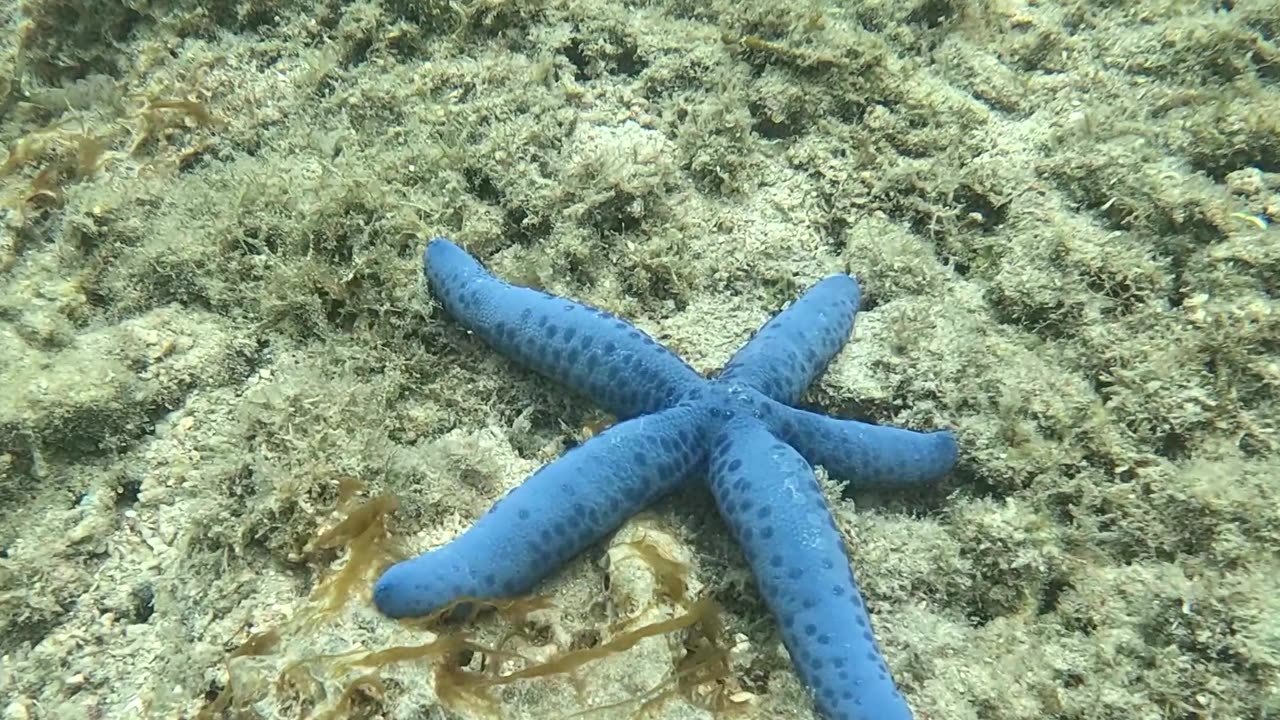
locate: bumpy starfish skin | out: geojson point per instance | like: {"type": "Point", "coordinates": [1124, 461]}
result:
{"type": "Point", "coordinates": [738, 430]}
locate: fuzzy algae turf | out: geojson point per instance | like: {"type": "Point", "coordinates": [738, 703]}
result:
{"type": "Point", "coordinates": [1064, 215]}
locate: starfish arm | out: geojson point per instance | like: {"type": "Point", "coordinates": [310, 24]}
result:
{"type": "Point", "coordinates": [795, 346]}
{"type": "Point", "coordinates": [556, 513]}
{"type": "Point", "coordinates": [770, 499]}
{"type": "Point", "coordinates": [866, 455]}
{"type": "Point", "coordinates": [608, 360]}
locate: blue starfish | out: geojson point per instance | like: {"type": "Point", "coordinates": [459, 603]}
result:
{"type": "Point", "coordinates": [737, 429]}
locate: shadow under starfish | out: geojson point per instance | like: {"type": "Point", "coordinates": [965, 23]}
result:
{"type": "Point", "coordinates": [738, 430]}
